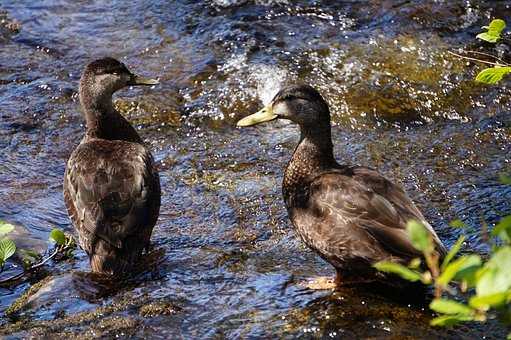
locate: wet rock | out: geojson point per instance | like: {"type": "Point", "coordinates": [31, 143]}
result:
{"type": "Point", "coordinates": [113, 327]}
{"type": "Point", "coordinates": [57, 296]}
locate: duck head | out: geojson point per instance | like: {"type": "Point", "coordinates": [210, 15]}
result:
{"type": "Point", "coordinates": [102, 78]}
{"type": "Point", "coordinates": [301, 104]}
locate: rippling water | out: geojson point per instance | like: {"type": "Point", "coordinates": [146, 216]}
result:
{"type": "Point", "coordinates": [231, 263]}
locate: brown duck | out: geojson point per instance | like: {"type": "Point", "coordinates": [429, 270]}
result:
{"type": "Point", "coordinates": [111, 187]}
{"type": "Point", "coordinates": [352, 216]}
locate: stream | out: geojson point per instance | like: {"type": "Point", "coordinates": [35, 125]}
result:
{"type": "Point", "coordinates": [228, 263]}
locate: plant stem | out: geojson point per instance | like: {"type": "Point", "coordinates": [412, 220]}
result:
{"type": "Point", "coordinates": [432, 263]}
{"type": "Point", "coordinates": [477, 60]}
{"type": "Point", "coordinates": [58, 249]}
{"type": "Point", "coordinates": [488, 55]}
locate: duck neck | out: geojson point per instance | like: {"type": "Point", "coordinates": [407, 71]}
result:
{"type": "Point", "coordinates": [313, 155]}
{"type": "Point", "coordinates": [102, 120]}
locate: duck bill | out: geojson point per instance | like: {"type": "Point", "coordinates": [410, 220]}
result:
{"type": "Point", "coordinates": [261, 116]}
{"type": "Point", "coordinates": [136, 80]}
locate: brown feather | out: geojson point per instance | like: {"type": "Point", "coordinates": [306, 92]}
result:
{"type": "Point", "coordinates": [352, 216]}
{"type": "Point", "coordinates": [111, 187]}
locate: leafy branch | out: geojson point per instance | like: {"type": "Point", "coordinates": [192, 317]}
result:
{"type": "Point", "coordinates": [64, 246]}
{"type": "Point", "coordinates": [500, 68]}
{"type": "Point", "coordinates": [487, 282]}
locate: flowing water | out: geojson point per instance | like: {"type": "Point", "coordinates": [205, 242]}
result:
{"type": "Point", "coordinates": [230, 264]}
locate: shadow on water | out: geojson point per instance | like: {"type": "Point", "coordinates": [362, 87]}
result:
{"type": "Point", "coordinates": [231, 263]}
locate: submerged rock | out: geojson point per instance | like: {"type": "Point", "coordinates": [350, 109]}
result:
{"type": "Point", "coordinates": [57, 296]}
{"type": "Point", "coordinates": [8, 26]}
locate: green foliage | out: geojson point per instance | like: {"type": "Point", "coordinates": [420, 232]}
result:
{"type": "Point", "coordinates": [5, 228]}
{"type": "Point", "coordinates": [493, 75]}
{"type": "Point", "coordinates": [503, 229]}
{"type": "Point", "coordinates": [495, 276]}
{"type": "Point", "coordinates": [458, 266]}
{"type": "Point", "coordinates": [398, 269]}
{"type": "Point", "coordinates": [445, 306]}
{"type": "Point", "coordinates": [451, 320]}
{"type": "Point", "coordinates": [488, 282]}
{"type": "Point", "coordinates": [486, 301]}
{"type": "Point", "coordinates": [415, 263]}
{"type": "Point", "coordinates": [491, 279]}
{"type": "Point", "coordinates": [58, 236]}
{"type": "Point", "coordinates": [505, 179]}
{"type": "Point", "coordinates": [420, 237]}
{"type": "Point", "coordinates": [452, 252]}
{"type": "Point", "coordinates": [31, 259]}
{"type": "Point", "coordinates": [493, 31]}
{"type": "Point", "coordinates": [7, 249]}
{"type": "Point", "coordinates": [7, 246]}
{"type": "Point", "coordinates": [457, 224]}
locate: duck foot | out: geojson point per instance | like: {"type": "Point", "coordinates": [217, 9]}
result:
{"type": "Point", "coordinates": [321, 283]}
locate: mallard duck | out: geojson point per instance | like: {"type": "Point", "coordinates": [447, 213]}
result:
{"type": "Point", "coordinates": [111, 187]}
{"type": "Point", "coordinates": [350, 215]}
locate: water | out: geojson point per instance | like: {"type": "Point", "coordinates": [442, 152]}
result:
{"type": "Point", "coordinates": [231, 265]}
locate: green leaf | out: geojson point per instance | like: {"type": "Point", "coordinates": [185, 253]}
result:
{"type": "Point", "coordinates": [493, 32]}
{"type": "Point", "coordinates": [505, 179]}
{"type": "Point", "coordinates": [457, 224]}
{"type": "Point", "coordinates": [495, 276]}
{"type": "Point", "coordinates": [5, 228]}
{"type": "Point", "coordinates": [30, 253]}
{"type": "Point", "coordinates": [450, 320]}
{"type": "Point", "coordinates": [414, 263]}
{"type": "Point", "coordinates": [419, 236]}
{"type": "Point", "coordinates": [468, 276]}
{"type": "Point", "coordinates": [492, 75]}
{"type": "Point", "coordinates": [7, 248]}
{"type": "Point", "coordinates": [452, 252]}
{"type": "Point", "coordinates": [486, 301]}
{"type": "Point", "coordinates": [503, 229]}
{"type": "Point", "coordinates": [461, 264]}
{"type": "Point", "coordinates": [398, 269]}
{"type": "Point", "coordinates": [497, 26]}
{"type": "Point", "coordinates": [488, 37]}
{"type": "Point", "coordinates": [445, 306]}
{"type": "Point", "coordinates": [58, 236]}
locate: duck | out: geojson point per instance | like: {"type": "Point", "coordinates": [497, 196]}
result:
{"type": "Point", "coordinates": [350, 215]}
{"type": "Point", "coordinates": [111, 185]}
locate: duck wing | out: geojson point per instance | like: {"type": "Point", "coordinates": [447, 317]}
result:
{"type": "Point", "coordinates": [397, 196]}
{"type": "Point", "coordinates": [112, 192]}
{"type": "Point", "coordinates": [370, 208]}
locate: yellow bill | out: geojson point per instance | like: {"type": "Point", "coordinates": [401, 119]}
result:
{"type": "Point", "coordinates": [261, 116]}
{"type": "Point", "coordinates": [137, 80]}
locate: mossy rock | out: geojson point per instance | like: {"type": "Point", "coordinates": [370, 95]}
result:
{"type": "Point", "coordinates": [158, 308]}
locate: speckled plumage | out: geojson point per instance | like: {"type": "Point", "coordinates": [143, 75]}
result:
{"type": "Point", "coordinates": [352, 216]}
{"type": "Point", "coordinates": [111, 187]}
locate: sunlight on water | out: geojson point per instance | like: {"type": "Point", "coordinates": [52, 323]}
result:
{"type": "Point", "coordinates": [231, 264]}
{"type": "Point", "coordinates": [229, 3]}
{"type": "Point", "coordinates": [269, 80]}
